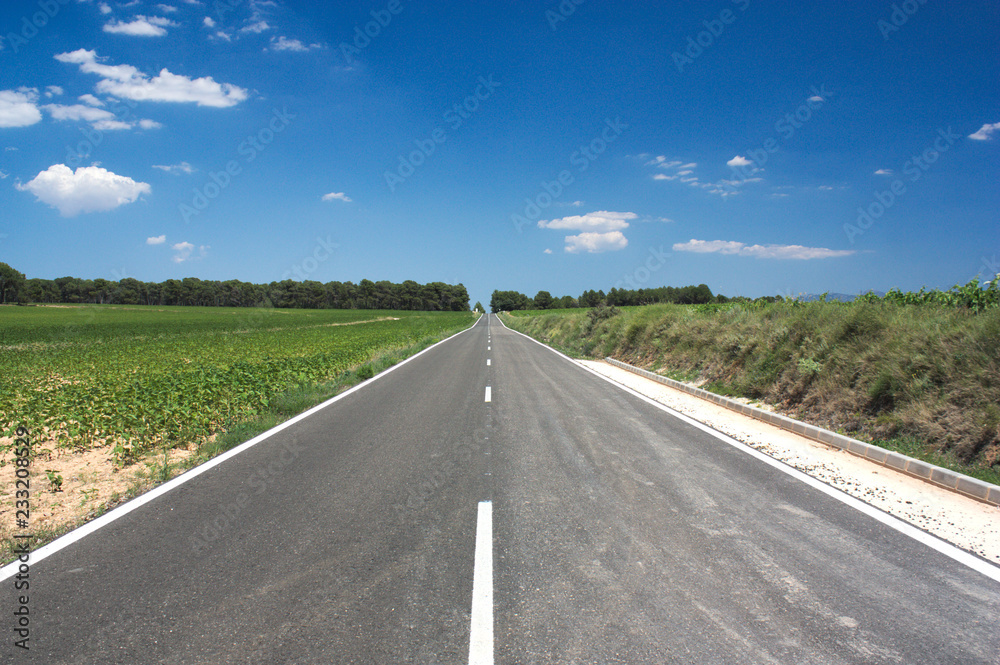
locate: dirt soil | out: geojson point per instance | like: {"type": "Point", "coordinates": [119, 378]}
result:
{"type": "Point", "coordinates": [89, 481]}
{"type": "Point", "coordinates": [964, 522]}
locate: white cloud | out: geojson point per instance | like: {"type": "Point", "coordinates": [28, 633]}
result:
{"type": "Point", "coordinates": [175, 168]}
{"type": "Point", "coordinates": [104, 7]}
{"type": "Point", "coordinates": [223, 35]}
{"type": "Point", "coordinates": [339, 196]}
{"type": "Point", "coordinates": [185, 250]}
{"type": "Point", "coordinates": [285, 44]}
{"type": "Point", "coordinates": [661, 162]}
{"type": "Point", "coordinates": [90, 99]}
{"type": "Point", "coordinates": [53, 90]}
{"type": "Point", "coordinates": [547, 251]}
{"type": "Point", "coordinates": [3, 176]}
{"type": "Point", "coordinates": [689, 166]}
{"type": "Point", "coordinates": [664, 176]}
{"type": "Point", "coordinates": [89, 189]}
{"type": "Point", "coordinates": [816, 98]}
{"type": "Point", "coordinates": [141, 26]}
{"type": "Point", "coordinates": [759, 251]}
{"type": "Point", "coordinates": [595, 243]}
{"type": "Point", "coordinates": [156, 240]}
{"type": "Point", "coordinates": [739, 161]}
{"type": "Point", "coordinates": [881, 172]}
{"type": "Point", "coordinates": [208, 22]}
{"type": "Point", "coordinates": [17, 107]}
{"type": "Point", "coordinates": [77, 112]}
{"type": "Point", "coordinates": [111, 125]}
{"type": "Point", "coordinates": [98, 118]}
{"type": "Point", "coordinates": [166, 9]}
{"type": "Point", "coordinates": [985, 133]}
{"type": "Point", "coordinates": [256, 28]}
{"type": "Point", "coordinates": [128, 82]}
{"type": "Point", "coordinates": [599, 221]}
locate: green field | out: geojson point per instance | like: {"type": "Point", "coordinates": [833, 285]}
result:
{"type": "Point", "coordinates": [140, 378]}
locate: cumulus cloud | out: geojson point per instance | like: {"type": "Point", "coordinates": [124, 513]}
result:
{"type": "Point", "coordinates": [208, 22]}
{"type": "Point", "coordinates": [547, 251]}
{"type": "Point", "coordinates": [985, 133]}
{"type": "Point", "coordinates": [337, 196]}
{"type": "Point", "coordinates": [882, 172]}
{"type": "Point", "coordinates": [599, 221]}
{"type": "Point", "coordinates": [156, 240]}
{"type": "Point", "coordinates": [595, 243]}
{"type": "Point", "coordinates": [141, 26]}
{"type": "Point", "coordinates": [128, 82]}
{"type": "Point", "coordinates": [18, 109]}
{"type": "Point", "coordinates": [602, 230]}
{"type": "Point", "coordinates": [53, 90]}
{"type": "Point", "coordinates": [739, 161]}
{"type": "Point", "coordinates": [89, 189]}
{"type": "Point", "coordinates": [759, 251]}
{"type": "Point", "coordinates": [90, 99]}
{"type": "Point", "coordinates": [166, 9]}
{"type": "Point", "coordinates": [185, 252]}
{"type": "Point", "coordinates": [183, 167]}
{"type": "Point", "coordinates": [105, 8]}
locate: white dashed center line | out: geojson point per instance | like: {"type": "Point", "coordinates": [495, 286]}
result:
{"type": "Point", "coordinates": [481, 628]}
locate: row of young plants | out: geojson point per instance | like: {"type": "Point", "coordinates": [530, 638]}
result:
{"type": "Point", "coordinates": [138, 379]}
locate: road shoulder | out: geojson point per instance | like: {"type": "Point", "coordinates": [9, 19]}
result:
{"type": "Point", "coordinates": [964, 522]}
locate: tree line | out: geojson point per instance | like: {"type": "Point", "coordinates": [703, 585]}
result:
{"type": "Point", "coordinates": [366, 294]}
{"type": "Point", "coordinates": [508, 301]}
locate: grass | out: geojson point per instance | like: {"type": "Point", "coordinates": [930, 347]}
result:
{"type": "Point", "coordinates": [926, 377]}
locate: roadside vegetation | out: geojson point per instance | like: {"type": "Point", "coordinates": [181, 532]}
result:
{"type": "Point", "coordinates": [914, 372]}
{"type": "Point", "coordinates": [120, 399]}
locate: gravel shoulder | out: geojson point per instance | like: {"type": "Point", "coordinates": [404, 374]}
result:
{"type": "Point", "coordinates": [964, 522]}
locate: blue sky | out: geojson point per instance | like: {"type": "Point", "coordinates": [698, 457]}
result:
{"type": "Point", "coordinates": [753, 146]}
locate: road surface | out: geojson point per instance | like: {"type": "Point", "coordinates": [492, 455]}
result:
{"type": "Point", "coordinates": [608, 531]}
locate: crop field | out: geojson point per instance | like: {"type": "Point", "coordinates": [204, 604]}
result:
{"type": "Point", "coordinates": [138, 378]}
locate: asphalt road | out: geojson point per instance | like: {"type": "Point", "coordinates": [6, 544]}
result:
{"type": "Point", "coordinates": [620, 534]}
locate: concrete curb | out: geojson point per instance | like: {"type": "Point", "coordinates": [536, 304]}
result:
{"type": "Point", "coordinates": [946, 478]}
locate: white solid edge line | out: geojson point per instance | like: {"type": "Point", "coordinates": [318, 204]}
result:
{"type": "Point", "coordinates": [957, 554]}
{"type": "Point", "coordinates": [481, 625]}
{"type": "Point", "coordinates": [489, 393]}
{"type": "Point", "coordinates": [81, 532]}
{"type": "Point", "coordinates": [487, 362]}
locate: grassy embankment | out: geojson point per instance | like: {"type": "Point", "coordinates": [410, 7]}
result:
{"type": "Point", "coordinates": [923, 380]}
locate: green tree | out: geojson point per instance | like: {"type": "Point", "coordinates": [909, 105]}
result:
{"type": "Point", "coordinates": [11, 282]}
{"type": "Point", "coordinates": [479, 307]}
{"type": "Point", "coordinates": [543, 300]}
